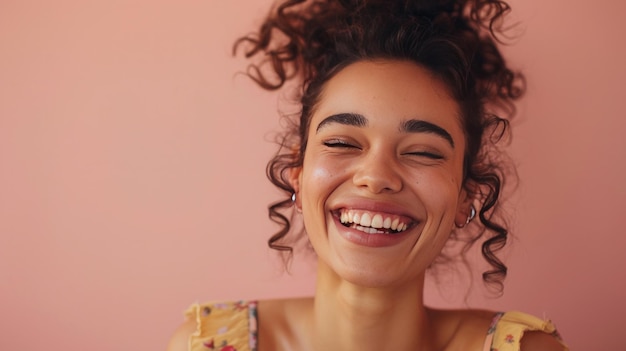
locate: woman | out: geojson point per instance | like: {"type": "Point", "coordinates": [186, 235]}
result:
{"type": "Point", "coordinates": [393, 156]}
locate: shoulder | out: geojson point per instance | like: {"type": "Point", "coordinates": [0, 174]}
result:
{"type": "Point", "coordinates": [285, 312]}
{"type": "Point", "coordinates": [462, 329]}
{"type": "Point", "coordinates": [283, 322]}
{"type": "Point", "coordinates": [540, 341]}
{"type": "Point", "coordinates": [180, 339]}
{"type": "Point", "coordinates": [283, 309]}
{"type": "Point", "coordinates": [481, 329]}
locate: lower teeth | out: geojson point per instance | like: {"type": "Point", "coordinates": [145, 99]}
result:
{"type": "Point", "coordinates": [370, 230]}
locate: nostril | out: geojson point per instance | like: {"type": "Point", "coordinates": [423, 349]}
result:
{"type": "Point", "coordinates": [378, 175]}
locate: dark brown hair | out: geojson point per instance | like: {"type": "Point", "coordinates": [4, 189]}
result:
{"type": "Point", "coordinates": [310, 41]}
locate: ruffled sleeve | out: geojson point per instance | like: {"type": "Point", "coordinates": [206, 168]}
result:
{"type": "Point", "coordinates": [223, 326]}
{"type": "Point", "coordinates": [507, 330]}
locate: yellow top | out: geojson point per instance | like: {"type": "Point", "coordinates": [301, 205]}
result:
{"type": "Point", "coordinates": [507, 330]}
{"type": "Point", "coordinates": [224, 326]}
{"type": "Point", "coordinates": [232, 326]}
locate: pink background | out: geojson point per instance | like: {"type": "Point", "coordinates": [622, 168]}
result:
{"type": "Point", "coordinates": [132, 172]}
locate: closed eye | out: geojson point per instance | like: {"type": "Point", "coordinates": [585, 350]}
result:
{"type": "Point", "coordinates": [426, 154]}
{"type": "Point", "coordinates": [339, 144]}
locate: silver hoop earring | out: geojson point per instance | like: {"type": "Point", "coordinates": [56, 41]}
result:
{"type": "Point", "coordinates": [471, 215]}
{"type": "Point", "coordinates": [294, 203]}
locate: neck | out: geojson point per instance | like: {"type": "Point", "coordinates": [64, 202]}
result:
{"type": "Point", "coordinates": [352, 317]}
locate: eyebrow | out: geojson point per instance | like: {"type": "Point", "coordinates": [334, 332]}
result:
{"type": "Point", "coordinates": [349, 119]}
{"type": "Point", "coordinates": [419, 126]}
{"type": "Point", "coordinates": [410, 126]}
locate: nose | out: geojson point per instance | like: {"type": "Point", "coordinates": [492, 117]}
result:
{"type": "Point", "coordinates": [378, 172]}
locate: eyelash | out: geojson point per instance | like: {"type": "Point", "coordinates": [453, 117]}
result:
{"type": "Point", "coordinates": [427, 155]}
{"type": "Point", "coordinates": [339, 144]}
{"type": "Point", "coordinates": [343, 144]}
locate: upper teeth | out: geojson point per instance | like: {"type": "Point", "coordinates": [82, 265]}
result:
{"type": "Point", "coordinates": [374, 220]}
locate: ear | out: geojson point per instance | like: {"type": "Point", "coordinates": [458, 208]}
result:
{"type": "Point", "coordinates": [466, 200]}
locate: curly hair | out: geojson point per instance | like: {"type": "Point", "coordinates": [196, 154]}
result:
{"type": "Point", "coordinates": [309, 41]}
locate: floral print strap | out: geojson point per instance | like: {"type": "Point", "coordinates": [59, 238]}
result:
{"type": "Point", "coordinates": [253, 330]}
{"type": "Point", "coordinates": [507, 329]}
{"type": "Point", "coordinates": [224, 326]}
{"type": "Point", "coordinates": [491, 331]}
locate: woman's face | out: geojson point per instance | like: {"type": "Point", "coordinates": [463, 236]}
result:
{"type": "Point", "coordinates": [381, 182]}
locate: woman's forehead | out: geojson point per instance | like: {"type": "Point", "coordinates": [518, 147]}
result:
{"type": "Point", "coordinates": [386, 90]}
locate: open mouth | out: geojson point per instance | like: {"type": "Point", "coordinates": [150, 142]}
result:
{"type": "Point", "coordinates": [373, 222]}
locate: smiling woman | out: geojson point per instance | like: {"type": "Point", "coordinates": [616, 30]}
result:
{"type": "Point", "coordinates": [393, 155]}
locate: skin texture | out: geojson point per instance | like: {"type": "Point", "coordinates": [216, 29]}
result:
{"type": "Point", "coordinates": [369, 293]}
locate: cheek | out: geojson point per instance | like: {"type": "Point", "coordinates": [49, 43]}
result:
{"type": "Point", "coordinates": [320, 178]}
{"type": "Point", "coordinates": [318, 175]}
{"type": "Point", "coordinates": [442, 191]}
{"type": "Point", "coordinates": [318, 181]}
{"type": "Point", "coordinates": [321, 174]}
